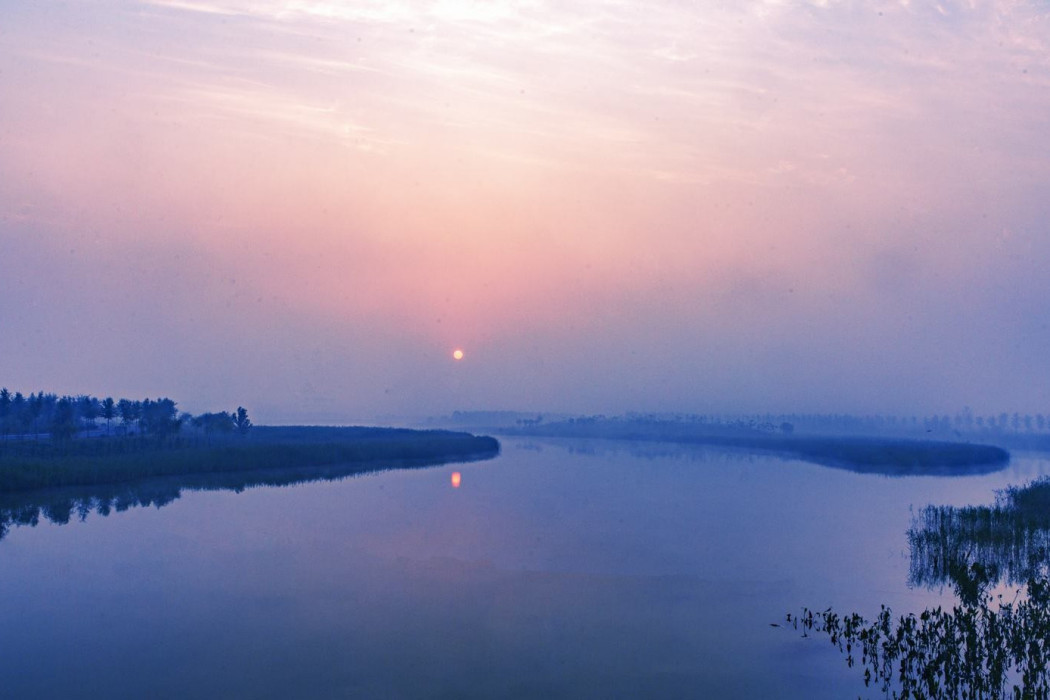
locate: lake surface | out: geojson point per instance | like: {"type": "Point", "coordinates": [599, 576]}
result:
{"type": "Point", "coordinates": [559, 569]}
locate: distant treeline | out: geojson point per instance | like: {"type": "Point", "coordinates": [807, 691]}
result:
{"type": "Point", "coordinates": [965, 422]}
{"type": "Point", "coordinates": [1008, 430]}
{"type": "Point", "coordinates": [63, 418]}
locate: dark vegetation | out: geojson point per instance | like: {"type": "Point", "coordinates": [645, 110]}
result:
{"type": "Point", "coordinates": [870, 454]}
{"type": "Point", "coordinates": [50, 441]}
{"type": "Point", "coordinates": [976, 547]}
{"type": "Point", "coordinates": [62, 419]}
{"type": "Point", "coordinates": [99, 462]}
{"type": "Point", "coordinates": [65, 504]}
{"type": "Point", "coordinates": [984, 647]}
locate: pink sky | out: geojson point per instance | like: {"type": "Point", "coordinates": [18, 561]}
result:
{"type": "Point", "coordinates": [303, 207]}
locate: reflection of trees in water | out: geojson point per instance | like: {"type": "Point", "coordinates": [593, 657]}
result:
{"type": "Point", "coordinates": [60, 506]}
{"type": "Point", "coordinates": [63, 505]}
{"type": "Point", "coordinates": [862, 455]}
{"type": "Point", "coordinates": [648, 450]}
{"type": "Point", "coordinates": [985, 643]}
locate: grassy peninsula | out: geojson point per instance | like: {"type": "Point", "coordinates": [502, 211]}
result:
{"type": "Point", "coordinates": [49, 441]}
{"type": "Point", "coordinates": [886, 455]}
{"type": "Point", "coordinates": [31, 465]}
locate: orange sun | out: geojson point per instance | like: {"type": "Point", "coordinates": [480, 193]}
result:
{"type": "Point", "coordinates": [457, 354]}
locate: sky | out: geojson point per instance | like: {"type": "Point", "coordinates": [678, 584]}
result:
{"type": "Point", "coordinates": [304, 207]}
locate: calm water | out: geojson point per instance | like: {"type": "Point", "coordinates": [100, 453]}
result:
{"type": "Point", "coordinates": [556, 570]}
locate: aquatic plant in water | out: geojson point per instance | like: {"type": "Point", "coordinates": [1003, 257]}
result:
{"type": "Point", "coordinates": [983, 647]}
{"type": "Point", "coordinates": [970, 651]}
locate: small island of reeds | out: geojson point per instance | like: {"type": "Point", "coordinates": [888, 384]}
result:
{"type": "Point", "coordinates": [49, 441]}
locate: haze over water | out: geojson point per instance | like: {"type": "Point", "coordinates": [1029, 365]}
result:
{"type": "Point", "coordinates": [304, 207]}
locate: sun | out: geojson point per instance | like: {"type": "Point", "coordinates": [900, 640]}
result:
{"type": "Point", "coordinates": [457, 354]}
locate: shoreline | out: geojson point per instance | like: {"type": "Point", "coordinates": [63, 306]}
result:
{"type": "Point", "coordinates": [100, 461]}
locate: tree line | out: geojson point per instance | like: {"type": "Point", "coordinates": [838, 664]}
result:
{"type": "Point", "coordinates": [64, 418]}
{"type": "Point", "coordinates": [962, 423]}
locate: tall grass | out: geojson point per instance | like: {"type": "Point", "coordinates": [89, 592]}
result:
{"type": "Point", "coordinates": [101, 461]}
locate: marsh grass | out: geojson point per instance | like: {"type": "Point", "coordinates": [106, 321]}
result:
{"type": "Point", "coordinates": [983, 647]}
{"type": "Point", "coordinates": [33, 465]}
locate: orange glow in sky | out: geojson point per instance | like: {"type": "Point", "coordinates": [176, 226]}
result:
{"type": "Point", "coordinates": [456, 478]}
{"type": "Point", "coordinates": [457, 354]}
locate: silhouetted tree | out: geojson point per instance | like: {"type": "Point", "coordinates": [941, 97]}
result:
{"type": "Point", "coordinates": [109, 411]}
{"type": "Point", "coordinates": [63, 420]}
{"type": "Point", "coordinates": [221, 422]}
{"type": "Point", "coordinates": [34, 408]}
{"type": "Point", "coordinates": [88, 408]}
{"type": "Point", "coordinates": [159, 418]}
{"type": "Point", "coordinates": [18, 409]}
{"type": "Point", "coordinates": [129, 412]}
{"type": "Point", "coordinates": [5, 411]}
{"type": "Point", "coordinates": [242, 421]}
